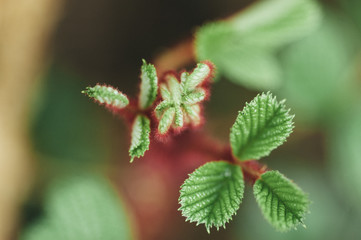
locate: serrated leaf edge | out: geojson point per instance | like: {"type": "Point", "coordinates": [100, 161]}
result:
{"type": "Point", "coordinates": [139, 138]}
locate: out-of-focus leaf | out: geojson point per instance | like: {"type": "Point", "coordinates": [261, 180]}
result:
{"type": "Point", "coordinates": [317, 82]}
{"type": "Point", "coordinates": [275, 23]}
{"type": "Point", "coordinates": [250, 66]}
{"type": "Point", "coordinates": [81, 208]}
{"type": "Point", "coordinates": [352, 8]}
{"type": "Point", "coordinates": [345, 155]}
{"type": "Point", "coordinates": [65, 126]}
{"type": "Point", "coordinates": [242, 47]}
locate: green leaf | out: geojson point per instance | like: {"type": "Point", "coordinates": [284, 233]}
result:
{"type": "Point", "coordinates": [166, 120]}
{"type": "Point", "coordinates": [63, 121]}
{"type": "Point", "coordinates": [344, 154]}
{"type": "Point", "coordinates": [178, 117]}
{"type": "Point", "coordinates": [181, 98]}
{"type": "Point", "coordinates": [140, 137]}
{"type": "Point", "coordinates": [81, 208]}
{"type": "Point", "coordinates": [275, 23]}
{"type": "Point", "coordinates": [193, 114]}
{"type": "Point", "coordinates": [282, 202]}
{"type": "Point", "coordinates": [243, 47]}
{"type": "Point", "coordinates": [199, 74]}
{"type": "Point", "coordinates": [325, 208]}
{"type": "Point", "coordinates": [263, 125]}
{"type": "Point", "coordinates": [251, 66]}
{"type": "Point", "coordinates": [212, 194]}
{"type": "Point", "coordinates": [319, 82]}
{"type": "Point", "coordinates": [148, 86]}
{"type": "Point", "coordinates": [107, 95]}
{"type": "Point", "coordinates": [161, 107]}
{"type": "Point", "coordinates": [351, 9]}
{"type": "Point", "coordinates": [194, 97]}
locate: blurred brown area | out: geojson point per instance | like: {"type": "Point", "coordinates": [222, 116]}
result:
{"type": "Point", "coordinates": [25, 30]}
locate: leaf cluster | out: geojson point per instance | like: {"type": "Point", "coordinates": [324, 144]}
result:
{"type": "Point", "coordinates": [212, 193]}
{"type": "Point", "coordinates": [175, 101]}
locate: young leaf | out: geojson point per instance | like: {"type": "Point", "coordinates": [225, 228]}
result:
{"type": "Point", "coordinates": [243, 47]}
{"type": "Point", "coordinates": [166, 120]}
{"type": "Point", "coordinates": [181, 99]}
{"type": "Point", "coordinates": [212, 194]}
{"type": "Point", "coordinates": [282, 202]}
{"type": "Point", "coordinates": [263, 125]}
{"type": "Point", "coordinates": [148, 86]}
{"type": "Point", "coordinates": [107, 95]}
{"type": "Point", "coordinates": [193, 114]}
{"type": "Point", "coordinates": [140, 137]}
{"type": "Point", "coordinates": [199, 74]}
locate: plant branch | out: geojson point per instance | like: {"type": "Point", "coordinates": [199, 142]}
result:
{"type": "Point", "coordinates": [211, 147]}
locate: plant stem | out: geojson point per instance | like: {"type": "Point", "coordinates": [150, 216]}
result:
{"type": "Point", "coordinates": [252, 169]}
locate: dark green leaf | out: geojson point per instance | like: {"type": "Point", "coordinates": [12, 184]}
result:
{"type": "Point", "coordinates": [212, 194]}
{"type": "Point", "coordinates": [263, 125]}
{"type": "Point", "coordinates": [282, 202]}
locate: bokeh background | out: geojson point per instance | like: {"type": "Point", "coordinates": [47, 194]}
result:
{"type": "Point", "coordinates": [65, 173]}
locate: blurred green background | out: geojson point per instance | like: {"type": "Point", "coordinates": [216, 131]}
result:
{"type": "Point", "coordinates": [84, 183]}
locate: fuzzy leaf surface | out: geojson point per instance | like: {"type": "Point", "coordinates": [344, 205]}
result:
{"type": "Point", "coordinates": [282, 202]}
{"type": "Point", "coordinates": [243, 47]}
{"type": "Point", "coordinates": [140, 137]}
{"type": "Point", "coordinates": [263, 125]}
{"type": "Point", "coordinates": [107, 95]}
{"type": "Point", "coordinates": [181, 98]}
{"type": "Point", "coordinates": [212, 194]}
{"type": "Point", "coordinates": [199, 74]}
{"type": "Point", "coordinates": [148, 86]}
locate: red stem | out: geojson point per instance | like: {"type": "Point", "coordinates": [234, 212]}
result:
{"type": "Point", "coordinates": [252, 169]}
